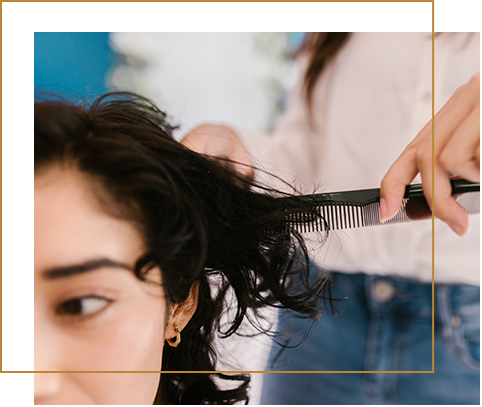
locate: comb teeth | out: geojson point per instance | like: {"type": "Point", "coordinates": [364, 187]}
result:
{"type": "Point", "coordinates": [328, 217]}
{"type": "Point", "coordinates": [337, 215]}
{"type": "Point", "coordinates": [470, 201]}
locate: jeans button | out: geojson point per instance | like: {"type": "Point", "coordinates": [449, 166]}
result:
{"type": "Point", "coordinates": [382, 291]}
{"type": "Point", "coordinates": [455, 321]}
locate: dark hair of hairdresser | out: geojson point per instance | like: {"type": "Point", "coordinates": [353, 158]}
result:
{"type": "Point", "coordinates": [321, 48]}
{"type": "Point", "coordinates": [199, 219]}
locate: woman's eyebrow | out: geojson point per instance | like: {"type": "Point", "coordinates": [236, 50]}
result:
{"type": "Point", "coordinates": [91, 265]}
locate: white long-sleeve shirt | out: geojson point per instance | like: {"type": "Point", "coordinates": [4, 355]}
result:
{"type": "Point", "coordinates": [369, 103]}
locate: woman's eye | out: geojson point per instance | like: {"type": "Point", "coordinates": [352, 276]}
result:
{"type": "Point", "coordinates": [83, 307]}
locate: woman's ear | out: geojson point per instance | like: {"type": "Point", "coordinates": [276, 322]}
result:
{"type": "Point", "coordinates": [182, 312]}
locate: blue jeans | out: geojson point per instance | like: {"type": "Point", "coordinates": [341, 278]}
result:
{"type": "Point", "coordinates": [384, 325]}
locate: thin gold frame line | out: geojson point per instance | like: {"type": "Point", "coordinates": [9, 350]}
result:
{"type": "Point", "coordinates": [315, 371]}
{"type": "Point", "coordinates": [212, 372]}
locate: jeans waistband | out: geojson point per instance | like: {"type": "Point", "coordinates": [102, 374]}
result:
{"type": "Point", "coordinates": [406, 297]}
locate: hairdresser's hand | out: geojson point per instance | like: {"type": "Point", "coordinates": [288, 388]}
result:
{"type": "Point", "coordinates": [457, 153]}
{"type": "Point", "coordinates": [220, 141]}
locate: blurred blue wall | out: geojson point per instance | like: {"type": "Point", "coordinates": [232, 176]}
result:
{"type": "Point", "coordinates": [74, 64]}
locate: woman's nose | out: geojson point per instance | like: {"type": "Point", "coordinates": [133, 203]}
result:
{"type": "Point", "coordinates": [46, 357]}
{"type": "Point", "coordinates": [46, 386]}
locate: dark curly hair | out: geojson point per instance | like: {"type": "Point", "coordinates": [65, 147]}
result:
{"type": "Point", "coordinates": [201, 222]}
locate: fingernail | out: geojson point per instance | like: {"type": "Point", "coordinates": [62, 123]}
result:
{"type": "Point", "coordinates": [456, 228]}
{"type": "Point", "coordinates": [383, 210]}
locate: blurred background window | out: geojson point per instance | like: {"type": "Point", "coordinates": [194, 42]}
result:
{"type": "Point", "coordinates": [243, 79]}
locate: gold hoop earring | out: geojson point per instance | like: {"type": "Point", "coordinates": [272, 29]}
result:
{"type": "Point", "coordinates": [177, 341]}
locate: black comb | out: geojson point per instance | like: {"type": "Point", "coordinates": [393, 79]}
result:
{"type": "Point", "coordinates": [355, 209]}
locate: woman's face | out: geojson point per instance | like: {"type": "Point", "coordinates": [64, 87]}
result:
{"type": "Point", "coordinates": [91, 312]}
